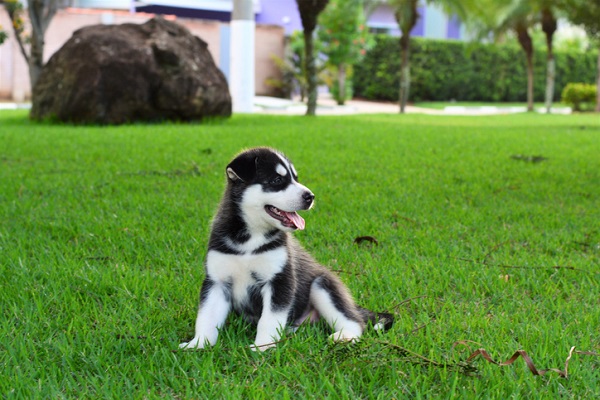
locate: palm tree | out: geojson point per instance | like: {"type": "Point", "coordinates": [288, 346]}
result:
{"type": "Point", "coordinates": [309, 12]}
{"type": "Point", "coordinates": [519, 17]}
{"type": "Point", "coordinates": [406, 14]}
{"type": "Point", "coordinates": [587, 14]}
{"type": "Point", "coordinates": [485, 17]}
{"type": "Point", "coordinates": [548, 21]}
{"type": "Point", "coordinates": [498, 18]}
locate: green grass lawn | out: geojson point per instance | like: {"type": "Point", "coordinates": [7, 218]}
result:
{"type": "Point", "coordinates": [103, 231]}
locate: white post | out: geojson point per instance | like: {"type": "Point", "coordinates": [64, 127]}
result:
{"type": "Point", "coordinates": [241, 67]}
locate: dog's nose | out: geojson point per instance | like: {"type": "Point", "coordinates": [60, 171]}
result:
{"type": "Point", "coordinates": [308, 198]}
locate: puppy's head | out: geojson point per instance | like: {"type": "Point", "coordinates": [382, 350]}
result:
{"type": "Point", "coordinates": [265, 185]}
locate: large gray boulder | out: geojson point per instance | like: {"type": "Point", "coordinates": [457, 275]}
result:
{"type": "Point", "coordinates": [113, 74]}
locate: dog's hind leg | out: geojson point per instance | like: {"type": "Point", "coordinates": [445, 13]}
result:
{"type": "Point", "coordinates": [379, 320]}
{"type": "Point", "coordinates": [333, 303]}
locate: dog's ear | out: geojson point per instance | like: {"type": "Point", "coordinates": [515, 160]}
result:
{"type": "Point", "coordinates": [242, 168]}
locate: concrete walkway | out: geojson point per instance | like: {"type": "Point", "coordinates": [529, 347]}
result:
{"type": "Point", "coordinates": [5, 105]}
{"type": "Point", "coordinates": [327, 106]}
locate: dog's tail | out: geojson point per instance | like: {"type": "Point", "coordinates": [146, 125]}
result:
{"type": "Point", "coordinates": [379, 320]}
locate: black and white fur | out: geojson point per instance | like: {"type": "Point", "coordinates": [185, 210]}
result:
{"type": "Point", "coordinates": [255, 267]}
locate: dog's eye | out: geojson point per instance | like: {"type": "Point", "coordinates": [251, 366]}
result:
{"type": "Point", "coordinates": [277, 180]}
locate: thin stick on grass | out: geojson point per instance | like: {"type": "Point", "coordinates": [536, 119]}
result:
{"type": "Point", "coordinates": [564, 373]}
{"type": "Point", "coordinates": [406, 301]}
{"type": "Point", "coordinates": [522, 266]}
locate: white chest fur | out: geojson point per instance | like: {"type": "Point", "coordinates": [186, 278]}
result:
{"type": "Point", "coordinates": [245, 270]}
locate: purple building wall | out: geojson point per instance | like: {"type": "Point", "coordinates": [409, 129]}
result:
{"type": "Point", "coordinates": [419, 29]}
{"type": "Point", "coordinates": [383, 18]}
{"type": "Point", "coordinates": [285, 13]}
{"type": "Point", "coordinates": [454, 25]}
{"type": "Point", "coordinates": [280, 12]}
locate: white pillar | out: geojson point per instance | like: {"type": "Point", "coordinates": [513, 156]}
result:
{"type": "Point", "coordinates": [241, 60]}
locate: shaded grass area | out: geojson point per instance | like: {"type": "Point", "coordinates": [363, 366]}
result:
{"type": "Point", "coordinates": [103, 231]}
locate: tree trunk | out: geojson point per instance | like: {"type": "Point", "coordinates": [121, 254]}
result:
{"type": "Point", "coordinates": [550, 78]}
{"type": "Point", "coordinates": [404, 72]}
{"type": "Point", "coordinates": [407, 15]}
{"type": "Point", "coordinates": [309, 12]}
{"type": "Point", "coordinates": [598, 84]}
{"type": "Point", "coordinates": [549, 26]}
{"type": "Point", "coordinates": [527, 46]}
{"type": "Point", "coordinates": [41, 13]}
{"type": "Point", "coordinates": [36, 57]}
{"type": "Point", "coordinates": [530, 82]}
{"type": "Point", "coordinates": [311, 73]}
{"type": "Point", "coordinates": [341, 84]}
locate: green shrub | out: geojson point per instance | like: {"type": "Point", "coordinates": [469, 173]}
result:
{"type": "Point", "coordinates": [578, 95]}
{"type": "Point", "coordinates": [448, 69]}
{"type": "Point", "coordinates": [330, 78]}
{"type": "Point", "coordinates": [334, 89]}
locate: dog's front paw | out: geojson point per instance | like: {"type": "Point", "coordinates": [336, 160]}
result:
{"type": "Point", "coordinates": [195, 343]}
{"type": "Point", "coordinates": [344, 336]}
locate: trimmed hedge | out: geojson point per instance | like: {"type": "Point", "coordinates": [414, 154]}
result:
{"type": "Point", "coordinates": [443, 70]}
{"type": "Point", "coordinates": [578, 95]}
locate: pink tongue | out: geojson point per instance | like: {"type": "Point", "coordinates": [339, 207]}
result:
{"type": "Point", "coordinates": [296, 219]}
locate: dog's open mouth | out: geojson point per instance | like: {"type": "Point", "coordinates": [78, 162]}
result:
{"type": "Point", "coordinates": [287, 218]}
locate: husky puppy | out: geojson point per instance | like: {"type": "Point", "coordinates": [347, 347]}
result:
{"type": "Point", "coordinates": [256, 268]}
